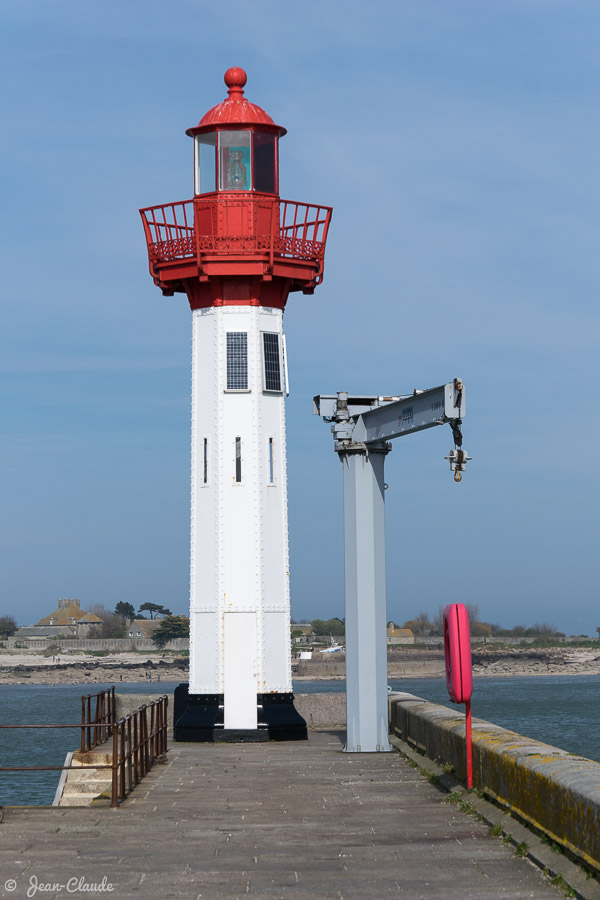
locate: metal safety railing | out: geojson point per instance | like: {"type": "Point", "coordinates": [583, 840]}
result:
{"type": "Point", "coordinates": [303, 230]}
{"type": "Point", "coordinates": [138, 740]}
{"type": "Point", "coordinates": [97, 709]}
{"type": "Point", "coordinates": [294, 231]}
{"type": "Point", "coordinates": [137, 744]}
{"type": "Point", "coordinates": [170, 231]}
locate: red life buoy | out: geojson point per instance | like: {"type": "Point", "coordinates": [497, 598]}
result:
{"type": "Point", "coordinates": [457, 646]}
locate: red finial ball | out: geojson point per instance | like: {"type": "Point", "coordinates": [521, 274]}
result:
{"type": "Point", "coordinates": [235, 79]}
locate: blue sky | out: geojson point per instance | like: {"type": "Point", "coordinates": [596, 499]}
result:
{"type": "Point", "coordinates": [458, 145]}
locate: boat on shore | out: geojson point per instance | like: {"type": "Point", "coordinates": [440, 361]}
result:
{"type": "Point", "coordinates": [334, 647]}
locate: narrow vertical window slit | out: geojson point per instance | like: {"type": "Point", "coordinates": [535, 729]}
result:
{"type": "Point", "coordinates": [238, 460]}
{"type": "Point", "coordinates": [271, 472]}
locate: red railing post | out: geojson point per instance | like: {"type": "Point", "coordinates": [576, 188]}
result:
{"type": "Point", "coordinates": [158, 723]}
{"type": "Point", "coordinates": [114, 795]}
{"type": "Point", "coordinates": [159, 717]}
{"type": "Point", "coordinates": [82, 724]}
{"type": "Point", "coordinates": [160, 728]}
{"type": "Point", "coordinates": [142, 738]}
{"type": "Point", "coordinates": [100, 719]}
{"type": "Point", "coordinates": [113, 709]}
{"type": "Point", "coordinates": [153, 714]}
{"type": "Point", "coordinates": [165, 722]}
{"type": "Point", "coordinates": [134, 748]}
{"type": "Point", "coordinates": [122, 759]}
{"type": "Point", "coordinates": [143, 730]}
{"type": "Point", "coordinates": [90, 731]}
{"type": "Point", "coordinates": [147, 756]}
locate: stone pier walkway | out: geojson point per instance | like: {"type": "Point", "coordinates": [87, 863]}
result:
{"type": "Point", "coordinates": [299, 820]}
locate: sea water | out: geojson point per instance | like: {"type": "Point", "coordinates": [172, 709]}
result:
{"type": "Point", "coordinates": [40, 704]}
{"type": "Point", "coordinates": [563, 711]}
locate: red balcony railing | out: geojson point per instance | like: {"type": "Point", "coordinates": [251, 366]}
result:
{"type": "Point", "coordinates": [170, 231]}
{"type": "Point", "coordinates": [201, 228]}
{"type": "Point", "coordinates": [303, 230]}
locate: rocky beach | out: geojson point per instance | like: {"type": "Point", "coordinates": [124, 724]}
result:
{"type": "Point", "coordinates": [564, 660]}
{"type": "Point", "coordinates": [32, 668]}
{"type": "Point", "coordinates": [29, 668]}
{"type": "Point", "coordinates": [488, 661]}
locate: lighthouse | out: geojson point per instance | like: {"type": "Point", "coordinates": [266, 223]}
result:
{"type": "Point", "coordinates": [237, 250]}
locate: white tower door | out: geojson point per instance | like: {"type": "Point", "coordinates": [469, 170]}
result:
{"type": "Point", "coordinates": [239, 669]}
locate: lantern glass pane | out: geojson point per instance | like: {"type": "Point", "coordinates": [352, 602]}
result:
{"type": "Point", "coordinates": [235, 161]}
{"type": "Point", "coordinates": [206, 162]}
{"type": "Point", "coordinates": [263, 146]}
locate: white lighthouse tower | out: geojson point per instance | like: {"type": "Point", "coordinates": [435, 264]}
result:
{"type": "Point", "coordinates": [237, 250]}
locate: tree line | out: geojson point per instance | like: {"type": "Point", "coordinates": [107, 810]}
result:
{"type": "Point", "coordinates": [322, 627]}
{"type": "Point", "coordinates": [423, 626]}
{"type": "Point", "coordinates": [114, 624]}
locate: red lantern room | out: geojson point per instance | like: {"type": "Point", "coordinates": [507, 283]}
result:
{"type": "Point", "coordinates": [235, 145]}
{"type": "Point", "coordinates": [236, 242]}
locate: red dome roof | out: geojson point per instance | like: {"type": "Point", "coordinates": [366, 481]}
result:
{"type": "Point", "coordinates": [236, 110]}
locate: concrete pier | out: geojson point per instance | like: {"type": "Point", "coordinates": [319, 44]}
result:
{"type": "Point", "coordinates": [269, 820]}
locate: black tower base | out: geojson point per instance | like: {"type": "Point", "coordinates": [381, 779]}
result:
{"type": "Point", "coordinates": [199, 718]}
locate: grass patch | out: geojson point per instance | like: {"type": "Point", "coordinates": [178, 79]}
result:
{"type": "Point", "coordinates": [497, 829]}
{"type": "Point", "coordinates": [556, 848]}
{"type": "Point", "coordinates": [559, 882]}
{"type": "Point", "coordinates": [431, 777]}
{"type": "Point", "coordinates": [464, 804]}
{"type": "Point", "coordinates": [469, 808]}
{"type": "Point", "coordinates": [522, 849]}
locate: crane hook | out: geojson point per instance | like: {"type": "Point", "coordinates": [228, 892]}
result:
{"type": "Point", "coordinates": [458, 462]}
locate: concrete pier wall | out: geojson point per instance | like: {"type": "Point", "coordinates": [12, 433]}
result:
{"type": "Point", "coordinates": [408, 661]}
{"type": "Point", "coordinates": [555, 791]}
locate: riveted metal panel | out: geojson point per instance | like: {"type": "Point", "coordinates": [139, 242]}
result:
{"type": "Point", "coordinates": [206, 651]}
{"type": "Point", "coordinates": [274, 530]}
{"type": "Point", "coordinates": [240, 554]}
{"type": "Point", "coordinates": [275, 629]}
{"type": "Point", "coordinates": [203, 537]}
{"type": "Point", "coordinates": [240, 685]}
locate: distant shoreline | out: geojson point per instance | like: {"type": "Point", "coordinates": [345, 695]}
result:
{"type": "Point", "coordinates": [488, 662]}
{"type": "Point", "coordinates": [507, 663]}
{"type": "Point", "coordinates": [95, 672]}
